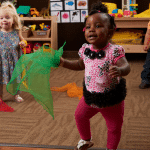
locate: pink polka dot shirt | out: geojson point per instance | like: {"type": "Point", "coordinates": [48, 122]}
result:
{"type": "Point", "coordinates": [97, 77]}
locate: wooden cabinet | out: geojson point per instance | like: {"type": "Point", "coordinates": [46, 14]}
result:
{"type": "Point", "coordinates": [132, 23]}
{"type": "Point", "coordinates": [52, 21]}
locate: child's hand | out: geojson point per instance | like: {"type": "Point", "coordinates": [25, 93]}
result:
{"type": "Point", "coordinates": [23, 43]}
{"type": "Point", "coordinates": [145, 47]}
{"type": "Point", "coordinates": [114, 71]}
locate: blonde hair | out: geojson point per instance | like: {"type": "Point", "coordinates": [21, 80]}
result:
{"type": "Point", "coordinates": [9, 8]}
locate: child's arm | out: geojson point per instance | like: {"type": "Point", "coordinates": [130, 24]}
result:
{"type": "Point", "coordinates": [73, 65]}
{"type": "Point", "coordinates": [122, 68]}
{"type": "Point", "coordinates": [147, 38]}
{"type": "Point", "coordinates": [23, 42]}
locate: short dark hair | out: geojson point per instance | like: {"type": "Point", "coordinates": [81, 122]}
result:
{"type": "Point", "coordinates": [101, 8]}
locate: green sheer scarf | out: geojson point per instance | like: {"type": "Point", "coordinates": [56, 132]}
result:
{"type": "Point", "coordinates": [31, 74]}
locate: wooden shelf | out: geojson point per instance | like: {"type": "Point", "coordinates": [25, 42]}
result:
{"type": "Point", "coordinates": [52, 21]}
{"type": "Point", "coordinates": [131, 22]}
{"type": "Point", "coordinates": [36, 18]}
{"type": "Point", "coordinates": [134, 49]}
{"type": "Point", "coordinates": [38, 39]}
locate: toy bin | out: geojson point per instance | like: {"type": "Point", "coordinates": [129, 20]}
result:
{"type": "Point", "coordinates": [46, 47]}
{"type": "Point", "coordinates": [26, 33]}
{"type": "Point", "coordinates": [41, 34]}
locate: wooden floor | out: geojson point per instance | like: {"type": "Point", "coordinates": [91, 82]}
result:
{"type": "Point", "coordinates": [30, 124]}
{"type": "Point", "coordinates": [25, 148]}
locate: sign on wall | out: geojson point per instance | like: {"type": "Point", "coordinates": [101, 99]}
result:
{"type": "Point", "coordinates": [69, 11]}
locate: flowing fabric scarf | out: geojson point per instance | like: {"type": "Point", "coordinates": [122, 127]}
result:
{"type": "Point", "coordinates": [31, 74]}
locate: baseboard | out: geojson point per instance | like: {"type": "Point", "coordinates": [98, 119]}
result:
{"type": "Point", "coordinates": [46, 146]}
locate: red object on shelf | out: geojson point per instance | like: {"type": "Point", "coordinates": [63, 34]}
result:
{"type": "Point", "coordinates": [4, 107]}
{"type": "Point", "coordinates": [127, 13]}
{"type": "Point", "coordinates": [28, 48]}
{"type": "Point", "coordinates": [112, 15]}
{"type": "Point", "coordinates": [120, 15]}
{"type": "Point", "coordinates": [36, 46]}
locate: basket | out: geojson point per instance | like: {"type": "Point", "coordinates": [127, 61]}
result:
{"type": "Point", "coordinates": [26, 33]}
{"type": "Point", "coordinates": [41, 34]}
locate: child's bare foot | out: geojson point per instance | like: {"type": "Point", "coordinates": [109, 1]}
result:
{"type": "Point", "coordinates": [18, 99]}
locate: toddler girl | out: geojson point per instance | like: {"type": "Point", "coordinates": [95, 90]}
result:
{"type": "Point", "coordinates": [104, 89]}
{"type": "Point", "coordinates": [10, 37]}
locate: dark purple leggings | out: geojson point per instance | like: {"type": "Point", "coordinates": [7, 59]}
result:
{"type": "Point", "coordinates": [113, 116]}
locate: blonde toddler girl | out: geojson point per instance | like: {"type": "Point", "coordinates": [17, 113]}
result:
{"type": "Point", "coordinates": [10, 42]}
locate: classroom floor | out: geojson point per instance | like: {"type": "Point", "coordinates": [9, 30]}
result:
{"type": "Point", "coordinates": [30, 124]}
{"type": "Point", "coordinates": [25, 148]}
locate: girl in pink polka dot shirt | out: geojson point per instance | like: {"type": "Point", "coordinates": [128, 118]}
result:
{"type": "Point", "coordinates": [104, 89]}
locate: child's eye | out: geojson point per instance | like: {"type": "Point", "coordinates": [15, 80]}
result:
{"type": "Point", "coordinates": [87, 27]}
{"type": "Point", "coordinates": [98, 26]}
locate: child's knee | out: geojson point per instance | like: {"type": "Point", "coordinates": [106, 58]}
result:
{"type": "Point", "coordinates": [78, 114]}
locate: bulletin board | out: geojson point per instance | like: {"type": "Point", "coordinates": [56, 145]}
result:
{"type": "Point", "coordinates": [69, 11]}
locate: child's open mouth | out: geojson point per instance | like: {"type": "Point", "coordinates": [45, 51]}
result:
{"type": "Point", "coordinates": [5, 23]}
{"type": "Point", "coordinates": [92, 37]}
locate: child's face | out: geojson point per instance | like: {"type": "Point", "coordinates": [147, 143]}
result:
{"type": "Point", "coordinates": [97, 30]}
{"type": "Point", "coordinates": [6, 21]}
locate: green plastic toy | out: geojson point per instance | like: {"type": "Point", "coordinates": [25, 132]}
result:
{"type": "Point", "coordinates": [23, 10]}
